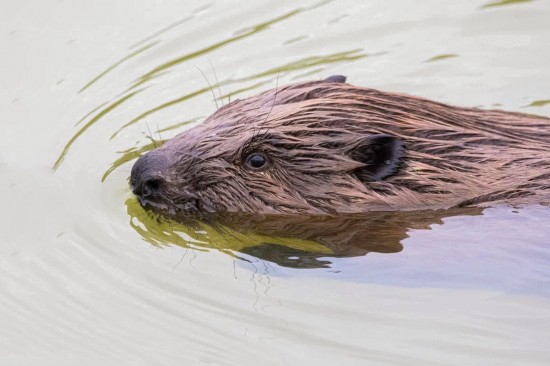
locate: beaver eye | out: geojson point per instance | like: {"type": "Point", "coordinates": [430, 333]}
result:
{"type": "Point", "coordinates": [256, 160]}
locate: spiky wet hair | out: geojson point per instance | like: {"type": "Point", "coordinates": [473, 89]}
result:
{"type": "Point", "coordinates": [327, 146]}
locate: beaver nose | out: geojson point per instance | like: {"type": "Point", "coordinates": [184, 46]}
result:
{"type": "Point", "coordinates": [148, 188]}
{"type": "Point", "coordinates": [147, 176]}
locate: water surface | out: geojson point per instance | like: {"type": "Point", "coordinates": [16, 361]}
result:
{"type": "Point", "coordinates": [85, 279]}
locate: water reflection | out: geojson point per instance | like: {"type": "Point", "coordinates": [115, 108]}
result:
{"type": "Point", "coordinates": [504, 2]}
{"type": "Point", "coordinates": [298, 241]}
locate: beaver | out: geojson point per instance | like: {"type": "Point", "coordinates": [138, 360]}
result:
{"type": "Point", "coordinates": [326, 147]}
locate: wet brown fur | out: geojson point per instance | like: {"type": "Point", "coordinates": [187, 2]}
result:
{"type": "Point", "coordinates": [453, 156]}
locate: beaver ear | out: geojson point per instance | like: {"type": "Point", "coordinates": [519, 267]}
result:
{"type": "Point", "coordinates": [381, 155]}
{"type": "Point", "coordinates": [336, 79]}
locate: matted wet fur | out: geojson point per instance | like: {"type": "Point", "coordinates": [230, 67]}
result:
{"type": "Point", "coordinates": [328, 146]}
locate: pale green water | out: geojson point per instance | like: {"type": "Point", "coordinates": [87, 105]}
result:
{"type": "Point", "coordinates": [79, 285]}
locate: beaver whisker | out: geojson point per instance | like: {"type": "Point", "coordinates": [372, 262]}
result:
{"type": "Point", "coordinates": [150, 137]}
{"type": "Point", "coordinates": [217, 82]}
{"type": "Point", "coordinates": [254, 134]}
{"type": "Point", "coordinates": [158, 131]}
{"type": "Point", "coordinates": [209, 86]}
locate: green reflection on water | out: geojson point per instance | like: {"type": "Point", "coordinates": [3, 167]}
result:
{"type": "Point", "coordinates": [294, 40]}
{"type": "Point", "coordinates": [90, 123]}
{"type": "Point", "coordinates": [442, 57]}
{"type": "Point", "coordinates": [90, 113]}
{"type": "Point", "coordinates": [308, 73]}
{"type": "Point", "coordinates": [159, 231]}
{"type": "Point", "coordinates": [242, 90]}
{"type": "Point", "coordinates": [311, 61]}
{"type": "Point", "coordinates": [160, 107]}
{"type": "Point", "coordinates": [301, 64]}
{"type": "Point", "coordinates": [241, 34]}
{"type": "Point", "coordinates": [504, 2]}
{"type": "Point", "coordinates": [539, 103]}
{"type": "Point", "coordinates": [297, 241]}
{"type": "Point", "coordinates": [177, 125]}
{"type": "Point", "coordinates": [131, 154]}
{"type": "Point", "coordinates": [174, 25]}
{"type": "Point", "coordinates": [118, 63]}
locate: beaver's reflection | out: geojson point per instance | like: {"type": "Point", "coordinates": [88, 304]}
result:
{"type": "Point", "coordinates": [311, 241]}
{"type": "Point", "coordinates": [297, 241]}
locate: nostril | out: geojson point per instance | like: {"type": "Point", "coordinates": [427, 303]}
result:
{"type": "Point", "coordinates": [151, 187]}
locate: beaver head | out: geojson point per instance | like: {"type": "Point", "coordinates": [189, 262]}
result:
{"type": "Point", "coordinates": [327, 146]}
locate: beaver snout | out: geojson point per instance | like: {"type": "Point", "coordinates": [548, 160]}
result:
{"type": "Point", "coordinates": [147, 177]}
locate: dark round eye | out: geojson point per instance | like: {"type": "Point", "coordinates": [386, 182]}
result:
{"type": "Point", "coordinates": [256, 160]}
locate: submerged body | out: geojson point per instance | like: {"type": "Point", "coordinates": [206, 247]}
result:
{"type": "Point", "coordinates": [328, 147]}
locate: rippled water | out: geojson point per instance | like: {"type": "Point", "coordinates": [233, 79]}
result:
{"type": "Point", "coordinates": [87, 277]}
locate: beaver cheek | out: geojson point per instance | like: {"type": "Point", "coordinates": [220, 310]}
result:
{"type": "Point", "coordinates": [204, 204]}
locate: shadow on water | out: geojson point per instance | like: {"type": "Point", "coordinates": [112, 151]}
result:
{"type": "Point", "coordinates": [295, 241]}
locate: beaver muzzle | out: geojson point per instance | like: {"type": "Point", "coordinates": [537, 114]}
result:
{"type": "Point", "coordinates": [147, 177]}
{"type": "Point", "coordinates": [152, 181]}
